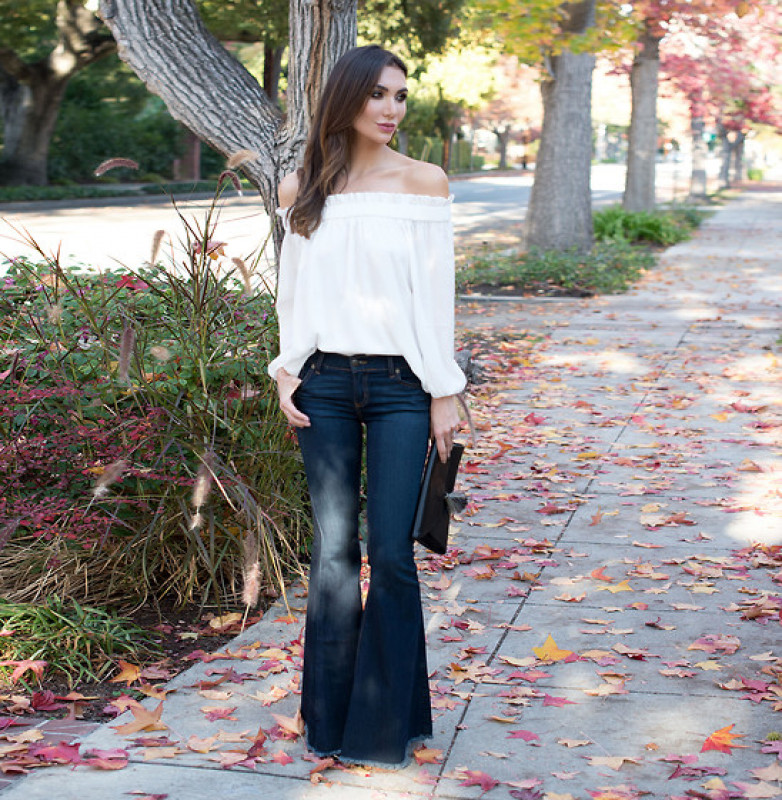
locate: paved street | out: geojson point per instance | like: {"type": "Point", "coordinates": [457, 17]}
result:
{"type": "Point", "coordinates": [607, 623]}
{"type": "Point", "coordinates": [113, 232]}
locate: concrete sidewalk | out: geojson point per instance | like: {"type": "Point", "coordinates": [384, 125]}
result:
{"type": "Point", "coordinates": [627, 503]}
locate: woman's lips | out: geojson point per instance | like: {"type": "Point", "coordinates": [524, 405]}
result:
{"type": "Point", "coordinates": [386, 127]}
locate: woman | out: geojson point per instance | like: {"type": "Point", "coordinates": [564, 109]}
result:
{"type": "Point", "coordinates": [365, 303]}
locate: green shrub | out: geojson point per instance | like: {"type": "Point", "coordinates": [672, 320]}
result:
{"type": "Point", "coordinates": [107, 112]}
{"type": "Point", "coordinates": [754, 174]}
{"type": "Point", "coordinates": [147, 452]}
{"type": "Point", "coordinates": [662, 228]}
{"type": "Point", "coordinates": [610, 267]}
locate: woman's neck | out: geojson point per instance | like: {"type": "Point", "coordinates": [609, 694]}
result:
{"type": "Point", "coordinates": [365, 158]}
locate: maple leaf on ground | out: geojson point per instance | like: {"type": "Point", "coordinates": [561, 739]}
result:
{"type": "Point", "coordinates": [550, 651]}
{"type": "Point", "coordinates": [427, 755]}
{"type": "Point", "coordinates": [757, 790]}
{"type": "Point", "coordinates": [291, 725]}
{"type": "Point", "coordinates": [773, 772]}
{"type": "Point", "coordinates": [106, 759]}
{"type": "Point", "coordinates": [722, 740]}
{"type": "Point", "coordinates": [129, 673]}
{"type": "Point", "coordinates": [283, 758]}
{"type": "Point", "coordinates": [528, 736]}
{"type": "Point", "coordinates": [622, 586]}
{"type": "Point", "coordinates": [145, 720]}
{"type": "Point", "coordinates": [198, 745]}
{"type": "Point", "coordinates": [574, 742]}
{"type": "Point", "coordinates": [711, 643]}
{"type": "Point", "coordinates": [477, 778]}
{"type": "Point", "coordinates": [45, 701]}
{"type": "Point", "coordinates": [145, 796]}
{"type": "Point", "coordinates": [62, 753]}
{"type": "Point", "coordinates": [213, 713]}
{"type": "Point", "coordinates": [612, 762]}
{"type": "Point", "coordinates": [528, 794]}
{"type": "Point", "coordinates": [37, 667]}
{"type": "Point", "coordinates": [548, 700]}
{"type": "Point", "coordinates": [774, 747]}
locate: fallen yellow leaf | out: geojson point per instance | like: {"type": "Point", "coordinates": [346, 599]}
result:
{"type": "Point", "coordinates": [551, 651]}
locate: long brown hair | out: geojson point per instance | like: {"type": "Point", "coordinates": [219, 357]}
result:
{"type": "Point", "coordinates": [327, 156]}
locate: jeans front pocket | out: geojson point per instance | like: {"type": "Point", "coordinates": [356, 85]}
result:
{"type": "Point", "coordinates": [404, 376]}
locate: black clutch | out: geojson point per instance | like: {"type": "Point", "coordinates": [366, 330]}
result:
{"type": "Point", "coordinates": [437, 500]}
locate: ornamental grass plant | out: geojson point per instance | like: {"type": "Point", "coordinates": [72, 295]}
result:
{"type": "Point", "coordinates": [141, 451]}
{"type": "Point", "coordinates": [66, 639]}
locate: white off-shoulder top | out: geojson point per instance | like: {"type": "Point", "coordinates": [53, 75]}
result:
{"type": "Point", "coordinates": [377, 278]}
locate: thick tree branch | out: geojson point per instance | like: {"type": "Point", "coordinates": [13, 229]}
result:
{"type": "Point", "coordinates": [13, 66]}
{"type": "Point", "coordinates": [320, 32]}
{"type": "Point", "coordinates": [203, 86]}
{"type": "Point", "coordinates": [82, 33]}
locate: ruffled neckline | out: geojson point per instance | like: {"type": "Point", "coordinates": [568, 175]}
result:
{"type": "Point", "coordinates": [401, 198]}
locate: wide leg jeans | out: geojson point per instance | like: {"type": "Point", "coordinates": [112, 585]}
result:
{"type": "Point", "coordinates": [365, 692]}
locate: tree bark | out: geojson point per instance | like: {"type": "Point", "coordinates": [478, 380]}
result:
{"type": "Point", "coordinates": [698, 178]}
{"type": "Point", "coordinates": [207, 90]}
{"type": "Point", "coordinates": [503, 136]}
{"type": "Point", "coordinates": [738, 156]}
{"type": "Point", "coordinates": [727, 153]}
{"type": "Point", "coordinates": [272, 68]}
{"type": "Point", "coordinates": [560, 207]}
{"type": "Point", "coordinates": [31, 94]}
{"type": "Point", "coordinates": [639, 194]}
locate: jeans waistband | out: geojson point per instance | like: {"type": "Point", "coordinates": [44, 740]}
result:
{"type": "Point", "coordinates": [371, 363]}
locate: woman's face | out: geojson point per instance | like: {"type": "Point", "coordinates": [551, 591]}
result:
{"type": "Point", "coordinates": [385, 107]}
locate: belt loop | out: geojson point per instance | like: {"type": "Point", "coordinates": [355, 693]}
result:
{"type": "Point", "coordinates": [318, 363]}
{"type": "Point", "coordinates": [391, 366]}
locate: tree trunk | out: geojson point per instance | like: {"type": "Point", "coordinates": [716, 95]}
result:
{"type": "Point", "coordinates": [698, 179]}
{"type": "Point", "coordinates": [207, 90]}
{"type": "Point", "coordinates": [738, 156]}
{"type": "Point", "coordinates": [560, 207]}
{"type": "Point", "coordinates": [31, 94]}
{"type": "Point", "coordinates": [272, 68]}
{"type": "Point", "coordinates": [29, 112]}
{"type": "Point", "coordinates": [503, 136]}
{"type": "Point", "coordinates": [188, 167]}
{"type": "Point", "coordinates": [639, 192]}
{"type": "Point", "coordinates": [727, 153]}
{"type": "Point", "coordinates": [447, 148]}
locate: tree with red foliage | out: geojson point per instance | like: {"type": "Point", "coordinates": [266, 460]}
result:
{"type": "Point", "coordinates": [515, 106]}
{"type": "Point", "coordinates": [656, 19]}
{"type": "Point", "coordinates": [728, 73]}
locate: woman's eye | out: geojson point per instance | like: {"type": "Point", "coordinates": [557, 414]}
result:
{"type": "Point", "coordinates": [376, 94]}
{"type": "Point", "coordinates": [401, 98]}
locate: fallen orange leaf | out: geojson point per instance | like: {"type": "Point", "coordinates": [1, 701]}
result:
{"type": "Point", "coordinates": [129, 673]}
{"type": "Point", "coordinates": [145, 720]}
{"type": "Point", "coordinates": [551, 651]}
{"type": "Point", "coordinates": [722, 740]}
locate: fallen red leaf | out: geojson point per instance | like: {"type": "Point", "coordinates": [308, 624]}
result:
{"type": "Point", "coordinates": [476, 778]}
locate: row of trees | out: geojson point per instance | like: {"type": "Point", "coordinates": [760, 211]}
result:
{"type": "Point", "coordinates": [716, 51]}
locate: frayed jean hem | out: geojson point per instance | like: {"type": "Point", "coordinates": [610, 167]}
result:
{"type": "Point", "coordinates": [364, 762]}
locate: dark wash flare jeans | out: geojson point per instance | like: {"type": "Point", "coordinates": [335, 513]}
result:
{"type": "Point", "coordinates": [365, 690]}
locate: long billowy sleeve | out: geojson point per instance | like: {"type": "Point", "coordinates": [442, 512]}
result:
{"type": "Point", "coordinates": [286, 293]}
{"type": "Point", "coordinates": [433, 282]}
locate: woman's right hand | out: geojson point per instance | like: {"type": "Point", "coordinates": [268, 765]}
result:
{"type": "Point", "coordinates": [286, 386]}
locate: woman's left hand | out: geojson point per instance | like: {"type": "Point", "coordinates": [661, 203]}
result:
{"type": "Point", "coordinates": [444, 422]}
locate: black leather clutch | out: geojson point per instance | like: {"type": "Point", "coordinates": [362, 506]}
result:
{"type": "Point", "coordinates": [438, 500]}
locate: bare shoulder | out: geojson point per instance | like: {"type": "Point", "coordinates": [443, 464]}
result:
{"type": "Point", "coordinates": [424, 178]}
{"type": "Point", "coordinates": [288, 189]}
